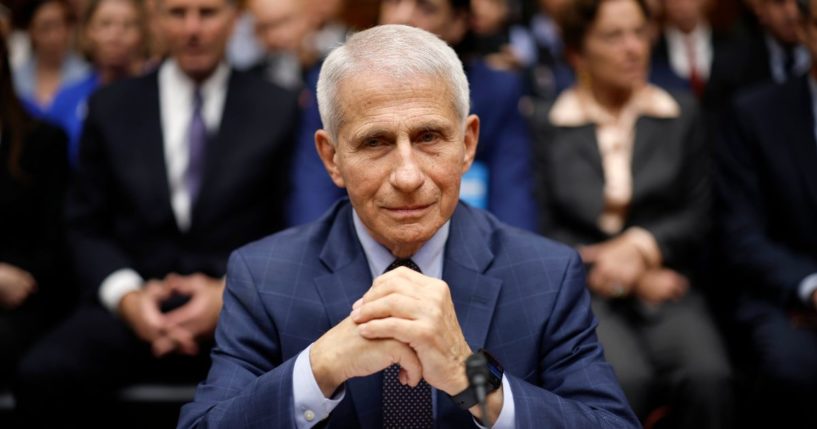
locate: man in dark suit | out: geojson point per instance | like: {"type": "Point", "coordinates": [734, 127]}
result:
{"type": "Point", "coordinates": [177, 169]}
{"type": "Point", "coordinates": [770, 53]}
{"type": "Point", "coordinates": [314, 317]}
{"type": "Point", "coordinates": [768, 190]}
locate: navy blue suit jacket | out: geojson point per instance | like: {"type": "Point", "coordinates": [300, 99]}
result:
{"type": "Point", "coordinates": [504, 148]}
{"type": "Point", "coordinates": [519, 295]}
{"type": "Point", "coordinates": [767, 182]}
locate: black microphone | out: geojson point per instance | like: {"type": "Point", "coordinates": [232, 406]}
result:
{"type": "Point", "coordinates": [476, 369]}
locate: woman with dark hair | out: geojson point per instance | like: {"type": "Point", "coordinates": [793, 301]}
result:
{"type": "Point", "coordinates": [622, 174]}
{"type": "Point", "coordinates": [33, 177]}
{"type": "Point", "coordinates": [113, 38]}
{"type": "Point", "coordinates": [52, 64]}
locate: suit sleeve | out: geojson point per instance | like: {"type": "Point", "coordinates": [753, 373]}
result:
{"type": "Point", "coordinates": [248, 385]}
{"type": "Point", "coordinates": [576, 387]}
{"type": "Point", "coordinates": [747, 245]}
{"type": "Point", "coordinates": [88, 209]}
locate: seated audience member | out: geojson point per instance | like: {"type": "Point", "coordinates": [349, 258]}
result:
{"type": "Point", "coordinates": [772, 55]}
{"type": "Point", "coordinates": [113, 35]}
{"type": "Point", "coordinates": [401, 273]}
{"type": "Point", "coordinates": [282, 28]}
{"type": "Point", "coordinates": [500, 180]}
{"type": "Point", "coordinates": [767, 173]}
{"type": "Point", "coordinates": [177, 169]}
{"type": "Point", "coordinates": [622, 171]}
{"type": "Point", "coordinates": [550, 74]}
{"type": "Point", "coordinates": [52, 64]}
{"type": "Point", "coordinates": [686, 47]}
{"type": "Point", "coordinates": [503, 43]}
{"type": "Point", "coordinates": [33, 175]}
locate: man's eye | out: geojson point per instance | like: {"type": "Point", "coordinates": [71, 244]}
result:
{"type": "Point", "coordinates": [373, 143]}
{"type": "Point", "coordinates": [428, 137]}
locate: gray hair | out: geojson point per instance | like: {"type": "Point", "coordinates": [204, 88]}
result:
{"type": "Point", "coordinates": [398, 51]}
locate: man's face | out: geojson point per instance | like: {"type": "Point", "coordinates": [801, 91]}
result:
{"type": "Point", "coordinates": [400, 153]}
{"type": "Point", "coordinates": [434, 16]}
{"type": "Point", "coordinates": [280, 25]}
{"type": "Point", "coordinates": [196, 33]}
{"type": "Point", "coordinates": [780, 17]}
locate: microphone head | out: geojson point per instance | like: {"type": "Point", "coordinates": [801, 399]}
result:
{"type": "Point", "coordinates": [476, 369]}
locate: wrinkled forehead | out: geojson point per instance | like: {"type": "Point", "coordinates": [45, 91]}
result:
{"type": "Point", "coordinates": [375, 93]}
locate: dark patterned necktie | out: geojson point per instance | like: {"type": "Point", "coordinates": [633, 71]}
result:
{"type": "Point", "coordinates": [405, 407]}
{"type": "Point", "coordinates": [197, 140]}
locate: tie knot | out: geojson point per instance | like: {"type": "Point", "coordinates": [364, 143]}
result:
{"type": "Point", "coordinates": [408, 263]}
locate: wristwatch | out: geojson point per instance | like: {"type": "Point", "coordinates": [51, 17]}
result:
{"type": "Point", "coordinates": [468, 397]}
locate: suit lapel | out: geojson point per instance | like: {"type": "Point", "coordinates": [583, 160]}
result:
{"type": "Point", "coordinates": [348, 280]}
{"type": "Point", "coordinates": [148, 137]}
{"type": "Point", "coordinates": [646, 134]}
{"type": "Point", "coordinates": [474, 294]}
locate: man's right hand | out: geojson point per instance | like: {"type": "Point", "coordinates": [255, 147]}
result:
{"type": "Point", "coordinates": [342, 353]}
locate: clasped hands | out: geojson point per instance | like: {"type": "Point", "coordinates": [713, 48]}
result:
{"type": "Point", "coordinates": [178, 329]}
{"type": "Point", "coordinates": [620, 269]}
{"type": "Point", "coordinates": [405, 318]}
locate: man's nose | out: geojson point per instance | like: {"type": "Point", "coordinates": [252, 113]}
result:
{"type": "Point", "coordinates": [407, 175]}
{"type": "Point", "coordinates": [192, 22]}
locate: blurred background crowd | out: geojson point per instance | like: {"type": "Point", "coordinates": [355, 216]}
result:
{"type": "Point", "coordinates": [673, 143]}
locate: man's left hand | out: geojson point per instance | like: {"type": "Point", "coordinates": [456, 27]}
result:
{"type": "Point", "coordinates": [196, 318]}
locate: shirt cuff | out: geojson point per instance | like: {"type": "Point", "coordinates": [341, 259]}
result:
{"type": "Point", "coordinates": [646, 244]}
{"type": "Point", "coordinates": [311, 407]}
{"type": "Point", "coordinates": [116, 286]}
{"type": "Point", "coordinates": [507, 415]}
{"type": "Point", "coordinates": [807, 287]}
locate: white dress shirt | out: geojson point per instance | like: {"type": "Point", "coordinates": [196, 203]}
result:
{"type": "Point", "coordinates": [678, 45]}
{"type": "Point", "coordinates": [176, 91]}
{"type": "Point", "coordinates": [310, 406]}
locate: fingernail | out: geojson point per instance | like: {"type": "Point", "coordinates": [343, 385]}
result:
{"type": "Point", "coordinates": [355, 315]}
{"type": "Point", "coordinates": [357, 304]}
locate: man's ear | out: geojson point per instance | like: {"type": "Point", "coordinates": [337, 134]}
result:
{"type": "Point", "coordinates": [328, 154]}
{"type": "Point", "coordinates": [471, 139]}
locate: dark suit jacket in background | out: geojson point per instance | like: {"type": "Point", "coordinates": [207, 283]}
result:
{"type": "Point", "coordinates": [519, 295]}
{"type": "Point", "coordinates": [670, 167]}
{"type": "Point", "coordinates": [767, 185]}
{"type": "Point", "coordinates": [119, 212]}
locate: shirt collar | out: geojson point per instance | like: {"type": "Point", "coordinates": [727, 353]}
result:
{"type": "Point", "coordinates": [215, 82]}
{"type": "Point", "coordinates": [576, 107]}
{"type": "Point", "coordinates": [429, 258]}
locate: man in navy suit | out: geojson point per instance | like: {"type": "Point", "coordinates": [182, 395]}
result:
{"type": "Point", "coordinates": [177, 169]}
{"type": "Point", "coordinates": [768, 192]}
{"type": "Point", "coordinates": [315, 317]}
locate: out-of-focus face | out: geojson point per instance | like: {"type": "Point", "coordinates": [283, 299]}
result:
{"type": "Point", "coordinates": [684, 14]}
{"type": "Point", "coordinates": [551, 7]}
{"type": "Point", "coordinates": [196, 33]}
{"type": "Point", "coordinates": [434, 16]}
{"type": "Point", "coordinates": [114, 34]}
{"type": "Point", "coordinates": [780, 17]}
{"type": "Point", "coordinates": [280, 25]}
{"type": "Point", "coordinates": [401, 151]}
{"type": "Point", "coordinates": [50, 31]}
{"type": "Point", "coordinates": [488, 16]}
{"type": "Point", "coordinates": [615, 52]}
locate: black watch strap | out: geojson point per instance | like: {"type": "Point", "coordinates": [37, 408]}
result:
{"type": "Point", "coordinates": [468, 397]}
